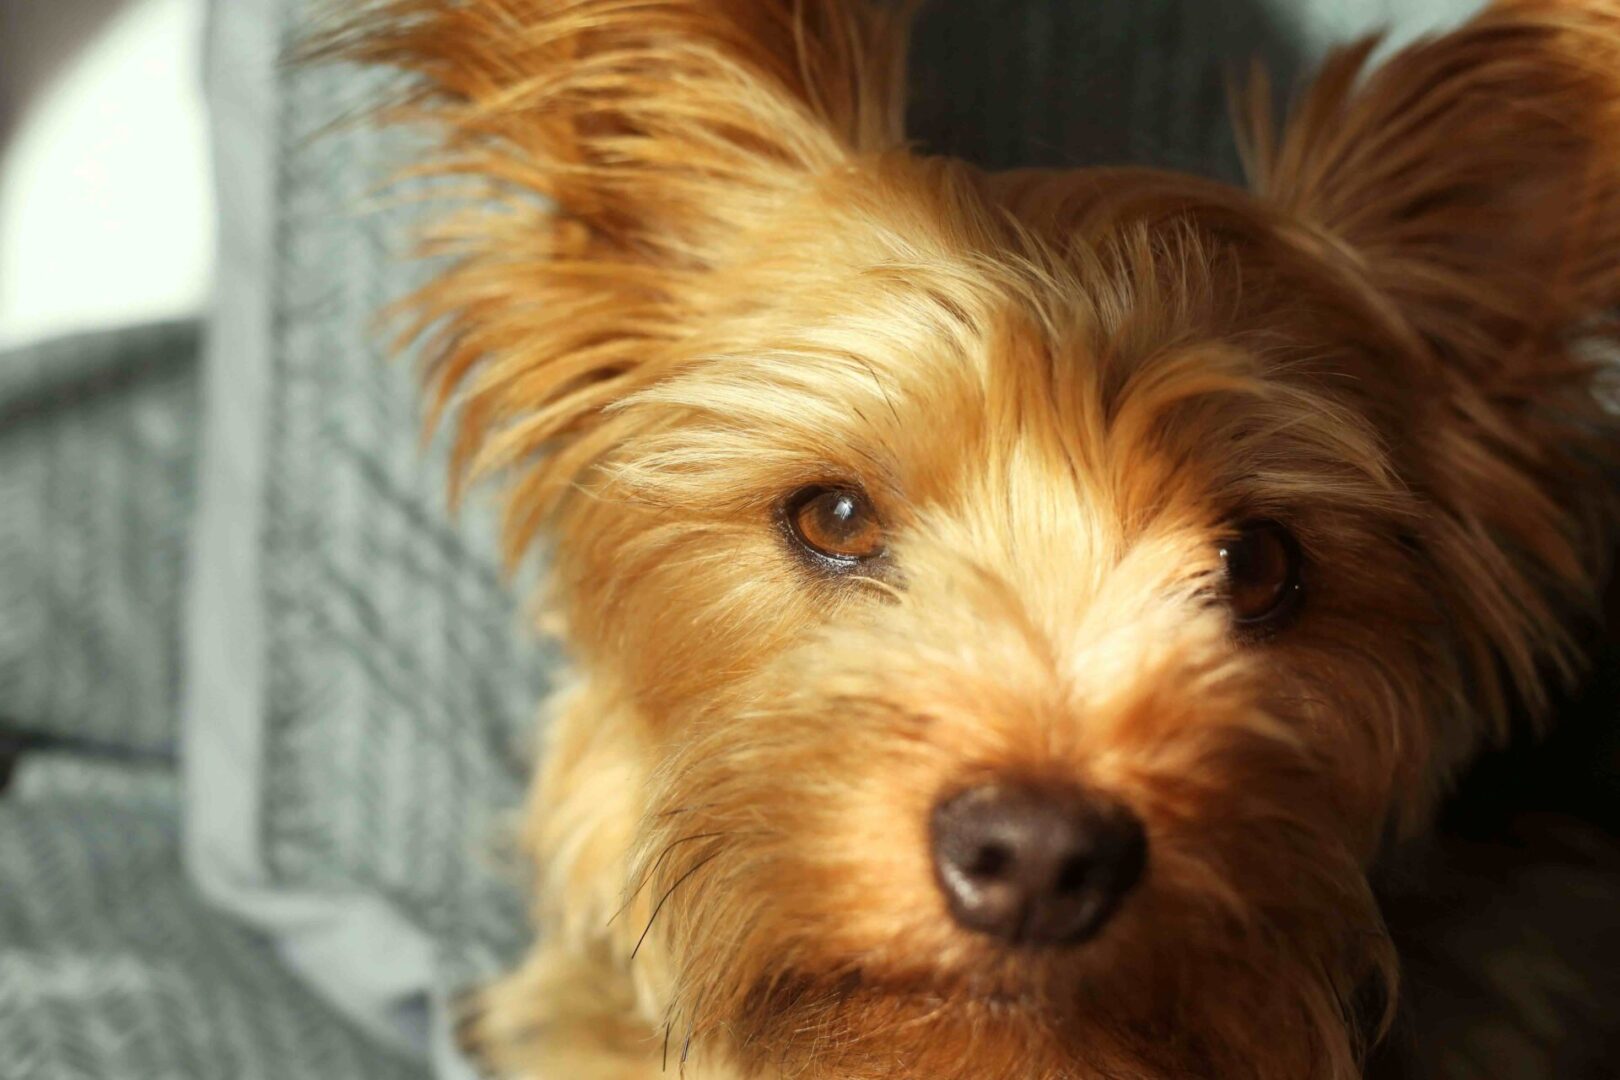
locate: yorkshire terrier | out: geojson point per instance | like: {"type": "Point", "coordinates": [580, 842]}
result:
{"type": "Point", "coordinates": [1014, 614]}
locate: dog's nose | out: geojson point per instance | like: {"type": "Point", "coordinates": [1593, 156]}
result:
{"type": "Point", "coordinates": [1035, 865]}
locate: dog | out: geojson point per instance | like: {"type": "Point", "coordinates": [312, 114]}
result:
{"type": "Point", "coordinates": [1014, 614]}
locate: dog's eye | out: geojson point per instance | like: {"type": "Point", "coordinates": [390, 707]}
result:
{"type": "Point", "coordinates": [835, 523]}
{"type": "Point", "coordinates": [1262, 573]}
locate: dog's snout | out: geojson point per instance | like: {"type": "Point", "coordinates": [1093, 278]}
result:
{"type": "Point", "coordinates": [1035, 865]}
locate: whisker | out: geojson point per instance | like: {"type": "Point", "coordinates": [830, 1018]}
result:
{"type": "Point", "coordinates": [701, 863]}
{"type": "Point", "coordinates": [691, 1025]}
{"type": "Point", "coordinates": [646, 877]}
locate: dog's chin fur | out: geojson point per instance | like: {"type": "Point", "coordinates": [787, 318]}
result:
{"type": "Point", "coordinates": [703, 271]}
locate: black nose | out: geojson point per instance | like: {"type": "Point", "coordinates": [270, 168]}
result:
{"type": "Point", "coordinates": [1035, 865]}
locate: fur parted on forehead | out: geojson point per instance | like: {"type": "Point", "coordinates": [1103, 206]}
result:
{"type": "Point", "coordinates": [904, 319]}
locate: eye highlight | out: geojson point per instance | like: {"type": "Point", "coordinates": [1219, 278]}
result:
{"type": "Point", "coordinates": [1263, 562]}
{"type": "Point", "coordinates": [837, 525]}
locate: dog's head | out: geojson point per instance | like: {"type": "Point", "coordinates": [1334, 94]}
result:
{"type": "Point", "coordinates": [1031, 599]}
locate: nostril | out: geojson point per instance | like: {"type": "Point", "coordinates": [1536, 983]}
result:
{"type": "Point", "coordinates": [1034, 864]}
{"type": "Point", "coordinates": [990, 861]}
{"type": "Point", "coordinates": [1073, 873]}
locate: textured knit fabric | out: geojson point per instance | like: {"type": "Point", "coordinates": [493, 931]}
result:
{"type": "Point", "coordinates": [111, 967]}
{"type": "Point", "coordinates": [364, 694]}
{"type": "Point", "coordinates": [401, 686]}
{"type": "Point", "coordinates": [97, 441]}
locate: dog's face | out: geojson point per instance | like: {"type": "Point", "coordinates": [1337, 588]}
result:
{"type": "Point", "coordinates": [1002, 592]}
{"type": "Point", "coordinates": [1031, 600]}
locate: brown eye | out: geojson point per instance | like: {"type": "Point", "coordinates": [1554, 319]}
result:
{"type": "Point", "coordinates": [1262, 574]}
{"type": "Point", "coordinates": [836, 524]}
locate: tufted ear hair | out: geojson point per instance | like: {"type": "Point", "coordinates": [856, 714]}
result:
{"type": "Point", "coordinates": [1471, 185]}
{"type": "Point", "coordinates": [617, 151]}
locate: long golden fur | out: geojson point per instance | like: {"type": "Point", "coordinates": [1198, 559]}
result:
{"type": "Point", "coordinates": [703, 270]}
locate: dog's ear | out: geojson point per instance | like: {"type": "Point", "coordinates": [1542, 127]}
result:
{"type": "Point", "coordinates": [613, 153]}
{"type": "Point", "coordinates": [1471, 187]}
